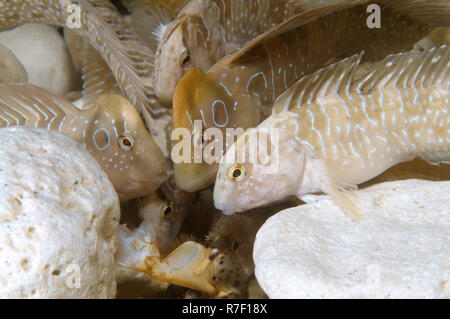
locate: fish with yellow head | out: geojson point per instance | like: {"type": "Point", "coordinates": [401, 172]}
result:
{"type": "Point", "coordinates": [205, 107]}
{"type": "Point", "coordinates": [201, 34]}
{"type": "Point", "coordinates": [238, 92]}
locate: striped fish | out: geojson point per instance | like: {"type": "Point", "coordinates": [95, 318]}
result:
{"type": "Point", "coordinates": [336, 131]}
{"type": "Point", "coordinates": [112, 131]}
{"type": "Point", "coordinates": [203, 33]}
{"type": "Point", "coordinates": [239, 90]}
{"type": "Point", "coordinates": [130, 60]}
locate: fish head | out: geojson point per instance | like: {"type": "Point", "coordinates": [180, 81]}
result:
{"type": "Point", "coordinates": [165, 210]}
{"type": "Point", "coordinates": [256, 171]}
{"type": "Point", "coordinates": [199, 115]}
{"type": "Point", "coordinates": [172, 60]}
{"type": "Point", "coordinates": [125, 149]}
{"type": "Point", "coordinates": [187, 43]}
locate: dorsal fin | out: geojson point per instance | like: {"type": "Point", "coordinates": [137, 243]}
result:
{"type": "Point", "coordinates": [150, 22]}
{"type": "Point", "coordinates": [414, 69]}
{"type": "Point", "coordinates": [290, 24]}
{"type": "Point", "coordinates": [333, 79]}
{"type": "Point", "coordinates": [122, 65]}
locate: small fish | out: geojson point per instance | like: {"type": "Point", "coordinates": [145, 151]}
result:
{"type": "Point", "coordinates": [335, 132]}
{"type": "Point", "coordinates": [165, 210]}
{"type": "Point", "coordinates": [203, 33]}
{"type": "Point", "coordinates": [238, 91]}
{"type": "Point", "coordinates": [112, 131]}
{"type": "Point", "coordinates": [130, 60]}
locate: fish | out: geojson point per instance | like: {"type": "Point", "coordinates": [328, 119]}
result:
{"type": "Point", "coordinates": [130, 60]}
{"type": "Point", "coordinates": [201, 34]}
{"type": "Point", "coordinates": [112, 132]}
{"type": "Point", "coordinates": [335, 132]}
{"type": "Point", "coordinates": [239, 90]}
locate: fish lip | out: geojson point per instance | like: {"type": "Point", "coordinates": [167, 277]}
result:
{"type": "Point", "coordinates": [135, 188]}
{"type": "Point", "coordinates": [227, 210]}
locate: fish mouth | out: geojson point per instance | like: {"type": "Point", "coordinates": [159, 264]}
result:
{"type": "Point", "coordinates": [135, 188]}
{"type": "Point", "coordinates": [224, 205]}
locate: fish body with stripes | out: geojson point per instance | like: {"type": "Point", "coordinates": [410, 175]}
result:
{"type": "Point", "coordinates": [339, 128]}
{"type": "Point", "coordinates": [205, 31]}
{"type": "Point", "coordinates": [112, 131]}
{"type": "Point", "coordinates": [239, 90]}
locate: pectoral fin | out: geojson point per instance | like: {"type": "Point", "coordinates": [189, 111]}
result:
{"type": "Point", "coordinates": [342, 193]}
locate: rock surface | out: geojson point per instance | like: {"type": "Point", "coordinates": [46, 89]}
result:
{"type": "Point", "coordinates": [11, 70]}
{"type": "Point", "coordinates": [400, 249]}
{"type": "Point", "coordinates": [59, 218]}
{"type": "Point", "coordinates": [44, 54]}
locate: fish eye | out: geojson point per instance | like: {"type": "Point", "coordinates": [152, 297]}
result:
{"type": "Point", "coordinates": [237, 172]}
{"type": "Point", "coordinates": [126, 141]}
{"type": "Point", "coordinates": [166, 209]}
{"type": "Point", "coordinates": [186, 58]}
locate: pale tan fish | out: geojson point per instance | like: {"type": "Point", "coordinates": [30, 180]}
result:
{"type": "Point", "coordinates": [130, 60]}
{"type": "Point", "coordinates": [203, 33]}
{"type": "Point", "coordinates": [335, 133]}
{"type": "Point", "coordinates": [240, 89]}
{"type": "Point", "coordinates": [112, 131]}
{"type": "Point", "coordinates": [150, 18]}
{"type": "Point", "coordinates": [158, 215]}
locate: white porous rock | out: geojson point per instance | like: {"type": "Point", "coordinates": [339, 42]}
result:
{"type": "Point", "coordinates": [44, 54]}
{"type": "Point", "coordinates": [400, 249]}
{"type": "Point", "coordinates": [11, 70]}
{"type": "Point", "coordinates": [59, 218]}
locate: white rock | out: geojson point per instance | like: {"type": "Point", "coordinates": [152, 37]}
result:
{"type": "Point", "coordinates": [11, 70]}
{"type": "Point", "coordinates": [43, 53]}
{"type": "Point", "coordinates": [401, 248]}
{"type": "Point", "coordinates": [59, 218]}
